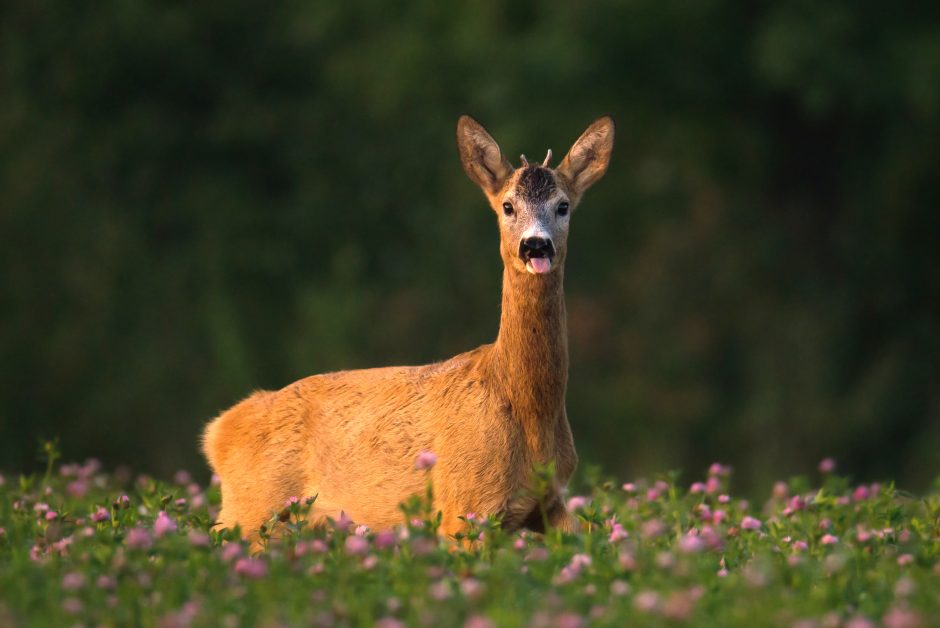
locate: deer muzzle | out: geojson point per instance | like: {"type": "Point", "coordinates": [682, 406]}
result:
{"type": "Point", "coordinates": [537, 254]}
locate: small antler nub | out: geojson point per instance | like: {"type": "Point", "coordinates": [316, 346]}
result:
{"type": "Point", "coordinates": [548, 159]}
{"type": "Point", "coordinates": [525, 162]}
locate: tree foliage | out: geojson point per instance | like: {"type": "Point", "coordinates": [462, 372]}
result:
{"type": "Point", "coordinates": [197, 200]}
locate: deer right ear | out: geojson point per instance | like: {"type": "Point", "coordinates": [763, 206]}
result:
{"type": "Point", "coordinates": [480, 156]}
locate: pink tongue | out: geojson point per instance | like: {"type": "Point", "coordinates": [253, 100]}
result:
{"type": "Point", "coordinates": [540, 264]}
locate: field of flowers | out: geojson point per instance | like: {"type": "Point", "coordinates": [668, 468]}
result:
{"type": "Point", "coordinates": [79, 546]}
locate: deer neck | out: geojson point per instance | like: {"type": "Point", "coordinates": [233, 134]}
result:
{"type": "Point", "coordinates": [531, 351]}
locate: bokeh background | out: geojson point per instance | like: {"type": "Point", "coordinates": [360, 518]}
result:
{"type": "Point", "coordinates": [201, 199]}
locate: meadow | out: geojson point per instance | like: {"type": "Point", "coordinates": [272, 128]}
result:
{"type": "Point", "coordinates": [80, 546]}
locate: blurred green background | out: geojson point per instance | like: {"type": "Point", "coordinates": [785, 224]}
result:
{"type": "Point", "coordinates": [202, 199]}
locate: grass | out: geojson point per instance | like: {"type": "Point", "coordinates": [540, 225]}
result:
{"type": "Point", "coordinates": [82, 547]}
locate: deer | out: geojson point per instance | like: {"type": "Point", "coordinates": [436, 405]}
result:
{"type": "Point", "coordinates": [490, 415]}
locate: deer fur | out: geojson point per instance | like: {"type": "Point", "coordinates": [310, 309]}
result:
{"type": "Point", "coordinates": [490, 415]}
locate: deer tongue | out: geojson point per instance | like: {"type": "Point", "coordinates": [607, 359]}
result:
{"type": "Point", "coordinates": [540, 265]}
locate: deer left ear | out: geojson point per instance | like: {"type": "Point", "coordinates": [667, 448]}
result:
{"type": "Point", "coordinates": [480, 156]}
{"type": "Point", "coordinates": [588, 159]}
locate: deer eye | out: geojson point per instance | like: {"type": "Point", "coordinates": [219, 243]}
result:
{"type": "Point", "coordinates": [507, 209]}
{"type": "Point", "coordinates": [563, 209]}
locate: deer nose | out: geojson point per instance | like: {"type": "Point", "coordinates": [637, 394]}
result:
{"type": "Point", "coordinates": [536, 247]}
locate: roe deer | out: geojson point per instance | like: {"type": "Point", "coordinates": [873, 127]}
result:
{"type": "Point", "coordinates": [351, 438]}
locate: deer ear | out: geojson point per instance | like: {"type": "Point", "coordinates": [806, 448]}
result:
{"type": "Point", "coordinates": [480, 156]}
{"type": "Point", "coordinates": [587, 160]}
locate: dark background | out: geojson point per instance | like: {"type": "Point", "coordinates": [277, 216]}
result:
{"type": "Point", "coordinates": [200, 199]}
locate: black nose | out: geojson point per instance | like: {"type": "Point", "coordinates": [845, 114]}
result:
{"type": "Point", "coordinates": [536, 247]}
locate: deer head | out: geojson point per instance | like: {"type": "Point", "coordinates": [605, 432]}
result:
{"type": "Point", "coordinates": [534, 202]}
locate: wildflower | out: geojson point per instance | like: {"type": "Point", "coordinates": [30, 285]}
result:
{"type": "Point", "coordinates": [61, 547]}
{"type": "Point", "coordinates": [105, 582]}
{"type": "Point", "coordinates": [72, 605]}
{"type": "Point", "coordinates": [797, 503]}
{"type": "Point", "coordinates": [861, 493]}
{"type": "Point", "coordinates": [665, 560]}
{"type": "Point", "coordinates": [291, 501]}
{"type": "Point", "coordinates": [800, 546]}
{"type": "Point", "coordinates": [569, 620]}
{"type": "Point", "coordinates": [652, 528]}
{"type": "Point", "coordinates": [646, 601]}
{"type": "Point", "coordinates": [439, 591]}
{"type": "Point", "coordinates": [577, 503]}
{"type": "Point", "coordinates": [51, 514]}
{"type": "Point", "coordinates": [905, 559]}
{"type": "Point", "coordinates": [573, 569]}
{"type": "Point", "coordinates": [904, 587]}
{"type": "Point", "coordinates": [750, 523]}
{"type": "Point", "coordinates": [477, 621]}
{"type": "Point", "coordinates": [77, 488]}
{"type": "Point", "coordinates": [862, 535]}
{"type": "Point", "coordinates": [182, 477]}
{"type": "Point", "coordinates": [361, 530]}
{"type": "Point", "coordinates": [123, 502]}
{"type": "Point", "coordinates": [724, 499]}
{"type": "Point", "coordinates": [215, 480]}
{"type": "Point", "coordinates": [198, 539]}
{"type": "Point", "coordinates": [251, 568]}
{"type": "Point", "coordinates": [100, 515]}
{"type": "Point", "coordinates": [827, 465]}
{"type": "Point", "coordinates": [629, 487]}
{"type": "Point", "coordinates": [691, 544]}
{"type": "Point", "coordinates": [72, 581]}
{"type": "Point", "coordinates": [231, 551]}
{"type": "Point", "coordinates": [859, 621]}
{"type": "Point", "coordinates": [652, 494]}
{"type": "Point", "coordinates": [519, 544]}
{"type": "Point", "coordinates": [704, 512]}
{"type": "Point", "coordinates": [712, 485]}
{"type": "Point", "coordinates": [717, 468]}
{"type": "Point", "coordinates": [619, 588]}
{"type": "Point", "coordinates": [829, 539]}
{"type": "Point", "coordinates": [617, 534]}
{"type": "Point", "coordinates": [697, 487]}
{"type": "Point", "coordinates": [781, 490]}
{"type": "Point", "coordinates": [385, 540]}
{"type": "Point", "coordinates": [344, 522]}
{"type": "Point", "coordinates": [180, 503]}
{"type": "Point", "coordinates": [163, 525]}
{"type": "Point", "coordinates": [370, 562]}
{"type": "Point", "coordinates": [356, 545]}
{"type": "Point", "coordinates": [425, 460]}
{"type": "Point", "coordinates": [41, 507]}
{"type": "Point", "coordinates": [825, 524]}
{"type": "Point", "coordinates": [138, 539]}
{"type": "Point", "coordinates": [627, 561]}
{"type": "Point", "coordinates": [679, 605]}
{"type": "Point", "coordinates": [898, 617]}
{"type": "Point", "coordinates": [471, 588]}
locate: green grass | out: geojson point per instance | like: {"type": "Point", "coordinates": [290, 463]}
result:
{"type": "Point", "coordinates": [871, 557]}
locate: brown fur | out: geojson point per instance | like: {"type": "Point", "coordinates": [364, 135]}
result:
{"type": "Point", "coordinates": [490, 415]}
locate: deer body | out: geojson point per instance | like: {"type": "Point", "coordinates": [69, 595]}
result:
{"type": "Point", "coordinates": [490, 415]}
